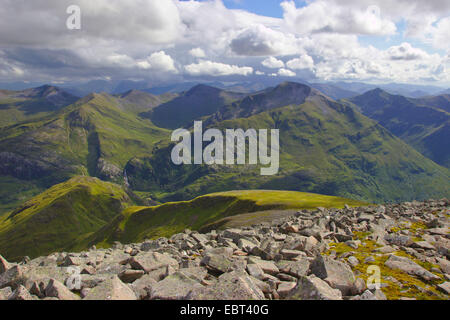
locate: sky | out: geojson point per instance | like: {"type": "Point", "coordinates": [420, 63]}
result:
{"type": "Point", "coordinates": [164, 41]}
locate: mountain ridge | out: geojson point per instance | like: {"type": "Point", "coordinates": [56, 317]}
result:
{"type": "Point", "coordinates": [424, 123]}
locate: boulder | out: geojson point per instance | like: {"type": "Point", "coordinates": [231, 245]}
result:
{"type": "Point", "coordinates": [58, 290]}
{"type": "Point", "coordinates": [267, 266]}
{"type": "Point", "coordinates": [406, 265]}
{"type": "Point", "coordinates": [152, 261]}
{"type": "Point", "coordinates": [5, 293]}
{"type": "Point", "coordinates": [142, 287]}
{"type": "Point", "coordinates": [177, 286]}
{"type": "Point", "coordinates": [20, 293]}
{"type": "Point", "coordinates": [129, 276]}
{"type": "Point", "coordinates": [313, 288]}
{"type": "Point", "coordinates": [13, 277]}
{"type": "Point", "coordinates": [337, 274]}
{"type": "Point", "coordinates": [4, 265]}
{"type": "Point", "coordinates": [230, 286]}
{"type": "Point", "coordinates": [285, 288]}
{"type": "Point", "coordinates": [111, 289]}
{"type": "Point", "coordinates": [295, 268]}
{"type": "Point", "coordinates": [216, 263]}
{"type": "Point", "coordinates": [445, 287]}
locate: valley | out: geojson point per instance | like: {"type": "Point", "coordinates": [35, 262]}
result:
{"type": "Point", "coordinates": [99, 169]}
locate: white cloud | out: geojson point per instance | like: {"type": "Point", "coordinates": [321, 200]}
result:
{"type": "Point", "coordinates": [158, 61]}
{"type": "Point", "coordinates": [440, 35]}
{"type": "Point", "coordinates": [405, 52]}
{"type": "Point", "coordinates": [259, 40]}
{"type": "Point", "coordinates": [210, 68]}
{"type": "Point", "coordinates": [197, 53]}
{"type": "Point", "coordinates": [286, 73]}
{"type": "Point", "coordinates": [321, 40]}
{"type": "Point", "coordinates": [273, 63]}
{"type": "Point", "coordinates": [327, 17]}
{"type": "Point", "coordinates": [303, 62]}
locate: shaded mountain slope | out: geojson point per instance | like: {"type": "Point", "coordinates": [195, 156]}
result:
{"type": "Point", "coordinates": [194, 104]}
{"type": "Point", "coordinates": [423, 123]}
{"type": "Point", "coordinates": [16, 106]}
{"type": "Point", "coordinates": [326, 147]}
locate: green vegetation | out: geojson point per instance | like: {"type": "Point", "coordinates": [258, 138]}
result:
{"type": "Point", "coordinates": [423, 123]}
{"type": "Point", "coordinates": [140, 223]}
{"type": "Point", "coordinates": [93, 137]}
{"type": "Point", "coordinates": [59, 217]}
{"type": "Point", "coordinates": [31, 104]}
{"type": "Point", "coordinates": [326, 148]}
{"type": "Point", "coordinates": [395, 283]}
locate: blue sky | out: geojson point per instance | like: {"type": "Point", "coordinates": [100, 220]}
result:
{"type": "Point", "coordinates": [269, 8]}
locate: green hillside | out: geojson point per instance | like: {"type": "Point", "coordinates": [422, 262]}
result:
{"type": "Point", "coordinates": [326, 147]}
{"type": "Point", "coordinates": [423, 123]}
{"type": "Point", "coordinates": [62, 215]}
{"type": "Point", "coordinates": [16, 106]}
{"type": "Point", "coordinates": [93, 137]}
{"type": "Point", "coordinates": [138, 223]}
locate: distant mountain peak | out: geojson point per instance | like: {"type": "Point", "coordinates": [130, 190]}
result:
{"type": "Point", "coordinates": [376, 91]}
{"type": "Point", "coordinates": [202, 89]}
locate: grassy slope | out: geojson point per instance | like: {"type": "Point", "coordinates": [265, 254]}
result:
{"type": "Point", "coordinates": [326, 148]}
{"type": "Point", "coordinates": [139, 223]}
{"type": "Point", "coordinates": [71, 142]}
{"type": "Point", "coordinates": [16, 106]}
{"type": "Point", "coordinates": [422, 123]}
{"type": "Point", "coordinates": [53, 220]}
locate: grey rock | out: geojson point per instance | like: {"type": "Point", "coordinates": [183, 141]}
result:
{"type": "Point", "coordinates": [406, 265]}
{"type": "Point", "coordinates": [444, 287]}
{"type": "Point", "coordinates": [20, 293]}
{"type": "Point", "coordinates": [152, 261]}
{"type": "Point", "coordinates": [5, 293]}
{"type": "Point", "coordinates": [111, 289]}
{"type": "Point", "coordinates": [230, 286]}
{"type": "Point", "coordinates": [313, 288]}
{"type": "Point", "coordinates": [267, 266]}
{"type": "Point", "coordinates": [4, 265]}
{"type": "Point", "coordinates": [13, 277]}
{"type": "Point", "coordinates": [337, 274]}
{"type": "Point", "coordinates": [177, 286]}
{"type": "Point", "coordinates": [58, 290]}
{"type": "Point", "coordinates": [285, 288]}
{"type": "Point", "coordinates": [216, 263]}
{"type": "Point", "coordinates": [295, 268]}
{"type": "Point", "coordinates": [129, 276]}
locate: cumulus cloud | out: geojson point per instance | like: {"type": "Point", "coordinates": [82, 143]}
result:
{"type": "Point", "coordinates": [272, 63]}
{"type": "Point", "coordinates": [171, 39]}
{"type": "Point", "coordinates": [328, 17]}
{"type": "Point", "coordinates": [303, 62]}
{"type": "Point", "coordinates": [405, 52]}
{"type": "Point", "coordinates": [259, 40]}
{"type": "Point", "coordinates": [158, 61]}
{"type": "Point", "coordinates": [210, 68]}
{"type": "Point", "coordinates": [286, 73]}
{"type": "Point", "coordinates": [197, 53]}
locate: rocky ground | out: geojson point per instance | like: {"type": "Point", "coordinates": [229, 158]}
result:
{"type": "Point", "coordinates": [322, 254]}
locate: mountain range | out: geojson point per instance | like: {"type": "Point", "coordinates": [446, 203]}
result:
{"type": "Point", "coordinates": [375, 147]}
{"type": "Point", "coordinates": [423, 123]}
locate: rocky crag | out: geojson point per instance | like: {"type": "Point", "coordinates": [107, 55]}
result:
{"type": "Point", "coordinates": [322, 254]}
